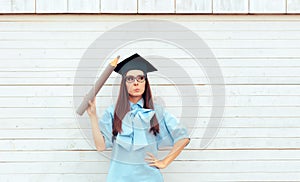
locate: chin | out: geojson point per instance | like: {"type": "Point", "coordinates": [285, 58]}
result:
{"type": "Point", "coordinates": [136, 95]}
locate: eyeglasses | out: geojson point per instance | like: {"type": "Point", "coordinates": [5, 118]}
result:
{"type": "Point", "coordinates": [139, 78]}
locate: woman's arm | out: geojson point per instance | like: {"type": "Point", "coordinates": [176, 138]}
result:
{"type": "Point", "coordinates": [176, 150]}
{"type": "Point", "coordinates": [97, 135]}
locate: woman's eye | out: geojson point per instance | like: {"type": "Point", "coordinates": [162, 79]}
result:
{"type": "Point", "coordinates": [130, 78]}
{"type": "Point", "coordinates": [141, 77]}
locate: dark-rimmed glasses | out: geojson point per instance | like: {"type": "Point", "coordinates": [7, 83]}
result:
{"type": "Point", "coordinates": [139, 78]}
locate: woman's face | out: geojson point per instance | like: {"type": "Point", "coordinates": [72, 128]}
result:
{"type": "Point", "coordinates": [135, 83]}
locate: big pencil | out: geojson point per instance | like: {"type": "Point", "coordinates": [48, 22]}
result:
{"type": "Point", "coordinates": [98, 85]}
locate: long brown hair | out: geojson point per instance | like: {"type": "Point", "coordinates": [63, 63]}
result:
{"type": "Point", "coordinates": [123, 106]}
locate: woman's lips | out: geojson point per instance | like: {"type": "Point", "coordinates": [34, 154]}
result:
{"type": "Point", "coordinates": [136, 90]}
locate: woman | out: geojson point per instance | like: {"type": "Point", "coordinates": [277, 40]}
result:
{"type": "Point", "coordinates": [135, 128]}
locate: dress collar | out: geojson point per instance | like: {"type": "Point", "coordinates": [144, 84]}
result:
{"type": "Point", "coordinates": [140, 103]}
{"type": "Point", "coordinates": [135, 126]}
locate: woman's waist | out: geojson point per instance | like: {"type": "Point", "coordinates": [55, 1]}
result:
{"type": "Point", "coordinates": [132, 156]}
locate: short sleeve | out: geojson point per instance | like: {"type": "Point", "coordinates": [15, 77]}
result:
{"type": "Point", "coordinates": [105, 124]}
{"type": "Point", "coordinates": [171, 130]}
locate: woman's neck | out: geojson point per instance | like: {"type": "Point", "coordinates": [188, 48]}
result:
{"type": "Point", "coordinates": [134, 99]}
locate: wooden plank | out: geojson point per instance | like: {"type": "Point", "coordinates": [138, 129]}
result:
{"type": "Point", "coordinates": [168, 53]}
{"type": "Point", "coordinates": [72, 64]}
{"type": "Point", "coordinates": [204, 35]}
{"type": "Point", "coordinates": [193, 72]}
{"type": "Point", "coordinates": [42, 134]}
{"type": "Point", "coordinates": [176, 166]}
{"type": "Point", "coordinates": [192, 155]}
{"type": "Point", "coordinates": [223, 133]}
{"type": "Point", "coordinates": [106, 91]}
{"type": "Point", "coordinates": [83, 6]}
{"type": "Point", "coordinates": [123, 7]}
{"type": "Point", "coordinates": [267, 6]}
{"type": "Point", "coordinates": [213, 44]}
{"type": "Point", "coordinates": [5, 6]}
{"type": "Point", "coordinates": [56, 101]}
{"type": "Point", "coordinates": [192, 18]}
{"type": "Point", "coordinates": [226, 133]}
{"type": "Point", "coordinates": [157, 6]}
{"type": "Point", "coordinates": [157, 81]}
{"type": "Point", "coordinates": [256, 176]}
{"type": "Point", "coordinates": [193, 6]}
{"type": "Point", "coordinates": [246, 143]}
{"type": "Point", "coordinates": [41, 145]}
{"type": "Point", "coordinates": [51, 6]}
{"type": "Point", "coordinates": [227, 122]}
{"type": "Point", "coordinates": [216, 144]}
{"type": "Point", "coordinates": [293, 6]}
{"type": "Point", "coordinates": [56, 156]}
{"type": "Point", "coordinates": [93, 25]}
{"type": "Point", "coordinates": [53, 73]}
{"type": "Point", "coordinates": [17, 6]}
{"type": "Point", "coordinates": [118, 6]}
{"type": "Point", "coordinates": [291, 111]}
{"type": "Point", "coordinates": [38, 123]}
{"type": "Point", "coordinates": [205, 90]}
{"type": "Point", "coordinates": [230, 6]}
{"type": "Point", "coordinates": [21, 6]}
{"type": "Point", "coordinates": [53, 177]}
{"type": "Point", "coordinates": [55, 167]}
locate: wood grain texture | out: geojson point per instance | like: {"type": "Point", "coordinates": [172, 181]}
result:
{"type": "Point", "coordinates": [119, 6]}
{"type": "Point", "coordinates": [17, 6]}
{"type": "Point", "coordinates": [267, 6]}
{"type": "Point", "coordinates": [148, 6]}
{"type": "Point", "coordinates": [193, 6]}
{"type": "Point", "coordinates": [51, 6]}
{"type": "Point", "coordinates": [293, 6]}
{"type": "Point", "coordinates": [156, 6]}
{"type": "Point", "coordinates": [83, 6]}
{"type": "Point", "coordinates": [230, 6]}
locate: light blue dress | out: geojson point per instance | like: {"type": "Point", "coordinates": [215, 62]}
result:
{"type": "Point", "coordinates": [129, 148]}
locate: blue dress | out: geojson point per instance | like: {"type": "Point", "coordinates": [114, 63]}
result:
{"type": "Point", "coordinates": [129, 148]}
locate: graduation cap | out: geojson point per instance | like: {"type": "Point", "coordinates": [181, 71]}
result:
{"type": "Point", "coordinates": [134, 62]}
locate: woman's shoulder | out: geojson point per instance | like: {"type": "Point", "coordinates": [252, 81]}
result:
{"type": "Point", "coordinates": [109, 110]}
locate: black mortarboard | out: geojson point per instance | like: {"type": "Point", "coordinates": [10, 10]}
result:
{"type": "Point", "coordinates": [134, 62]}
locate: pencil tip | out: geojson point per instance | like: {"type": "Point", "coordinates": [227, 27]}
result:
{"type": "Point", "coordinates": [115, 61]}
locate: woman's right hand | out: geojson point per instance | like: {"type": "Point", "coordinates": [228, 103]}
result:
{"type": "Point", "coordinates": [92, 107]}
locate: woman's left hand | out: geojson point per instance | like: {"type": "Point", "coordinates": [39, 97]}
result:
{"type": "Point", "coordinates": [153, 161]}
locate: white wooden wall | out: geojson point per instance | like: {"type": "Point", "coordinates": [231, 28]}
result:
{"type": "Point", "coordinates": [260, 135]}
{"type": "Point", "coordinates": [151, 6]}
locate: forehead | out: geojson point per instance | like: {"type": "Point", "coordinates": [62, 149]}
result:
{"type": "Point", "coordinates": [135, 72]}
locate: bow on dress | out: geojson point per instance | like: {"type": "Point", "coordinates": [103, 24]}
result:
{"type": "Point", "coordinates": [135, 125]}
